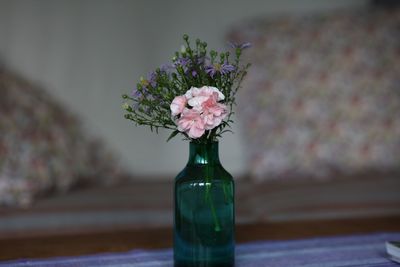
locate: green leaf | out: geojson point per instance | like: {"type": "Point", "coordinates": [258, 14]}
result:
{"type": "Point", "coordinates": [226, 131]}
{"type": "Point", "coordinates": [172, 135]}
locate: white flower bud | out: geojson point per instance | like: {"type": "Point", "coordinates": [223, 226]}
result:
{"type": "Point", "coordinates": [125, 106]}
{"type": "Point", "coordinates": [183, 49]}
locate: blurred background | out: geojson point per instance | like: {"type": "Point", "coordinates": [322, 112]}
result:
{"type": "Point", "coordinates": [317, 134]}
{"type": "Point", "coordinates": [88, 53]}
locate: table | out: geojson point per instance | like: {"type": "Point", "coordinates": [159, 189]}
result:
{"type": "Point", "coordinates": [353, 250]}
{"type": "Point", "coordinates": [122, 240]}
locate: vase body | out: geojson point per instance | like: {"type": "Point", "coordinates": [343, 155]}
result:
{"type": "Point", "coordinates": [204, 214]}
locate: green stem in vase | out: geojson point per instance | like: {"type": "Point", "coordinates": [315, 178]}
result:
{"type": "Point", "coordinates": [217, 227]}
{"type": "Point", "coordinates": [225, 193]}
{"type": "Point", "coordinates": [209, 173]}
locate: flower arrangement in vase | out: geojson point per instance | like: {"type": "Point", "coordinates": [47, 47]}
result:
{"type": "Point", "coordinates": [194, 97]}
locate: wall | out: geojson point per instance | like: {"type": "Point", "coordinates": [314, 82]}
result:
{"type": "Point", "coordinates": [88, 53]}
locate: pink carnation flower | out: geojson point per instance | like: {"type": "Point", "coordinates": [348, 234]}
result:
{"type": "Point", "coordinates": [213, 113]}
{"type": "Point", "coordinates": [203, 111]}
{"type": "Point", "coordinates": [178, 104]}
{"type": "Point", "coordinates": [192, 123]}
{"type": "Point", "coordinates": [196, 96]}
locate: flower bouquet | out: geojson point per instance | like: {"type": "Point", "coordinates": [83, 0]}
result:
{"type": "Point", "coordinates": [194, 96]}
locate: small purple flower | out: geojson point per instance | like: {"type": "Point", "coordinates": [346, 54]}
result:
{"type": "Point", "coordinates": [223, 69]}
{"type": "Point", "coordinates": [200, 60]}
{"type": "Point", "coordinates": [142, 89]}
{"type": "Point", "coordinates": [182, 61]}
{"type": "Point", "coordinates": [145, 84]}
{"type": "Point", "coordinates": [194, 73]}
{"type": "Point", "coordinates": [185, 63]}
{"type": "Point", "coordinates": [152, 78]}
{"type": "Point", "coordinates": [136, 93]}
{"type": "Point", "coordinates": [166, 68]}
{"type": "Point", "coordinates": [240, 46]}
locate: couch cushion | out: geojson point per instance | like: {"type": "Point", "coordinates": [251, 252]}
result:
{"type": "Point", "coordinates": [322, 97]}
{"type": "Point", "coordinates": [42, 145]}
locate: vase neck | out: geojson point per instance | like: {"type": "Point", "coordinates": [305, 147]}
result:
{"type": "Point", "coordinates": [203, 153]}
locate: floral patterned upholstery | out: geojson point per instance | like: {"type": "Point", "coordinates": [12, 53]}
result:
{"type": "Point", "coordinates": [323, 95]}
{"type": "Point", "coordinates": [42, 146]}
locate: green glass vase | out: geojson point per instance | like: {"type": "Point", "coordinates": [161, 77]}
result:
{"type": "Point", "coordinates": [204, 221]}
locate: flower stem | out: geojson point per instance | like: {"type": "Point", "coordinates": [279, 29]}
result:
{"type": "Point", "coordinates": [225, 193]}
{"type": "Point", "coordinates": [209, 172]}
{"type": "Point", "coordinates": [217, 226]}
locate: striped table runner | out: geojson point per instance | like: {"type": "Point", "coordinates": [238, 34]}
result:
{"type": "Point", "coordinates": [358, 250]}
